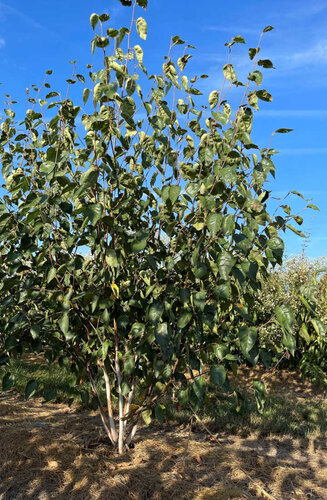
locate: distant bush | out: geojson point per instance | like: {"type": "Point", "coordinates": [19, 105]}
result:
{"type": "Point", "coordinates": [299, 286]}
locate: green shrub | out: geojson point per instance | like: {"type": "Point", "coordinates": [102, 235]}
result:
{"type": "Point", "coordinates": [301, 286]}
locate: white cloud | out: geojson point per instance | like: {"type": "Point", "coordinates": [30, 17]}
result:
{"type": "Point", "coordinates": [2, 42]}
{"type": "Point", "coordinates": [317, 54]}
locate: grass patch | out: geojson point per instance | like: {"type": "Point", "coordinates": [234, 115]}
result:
{"type": "Point", "coordinates": [280, 416]}
{"type": "Point", "coordinates": [48, 376]}
{"type": "Point", "coordinates": [293, 407]}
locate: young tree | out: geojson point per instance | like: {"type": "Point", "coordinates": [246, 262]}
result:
{"type": "Point", "coordinates": [127, 250]}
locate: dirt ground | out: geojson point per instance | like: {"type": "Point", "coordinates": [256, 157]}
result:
{"type": "Point", "coordinates": [53, 452]}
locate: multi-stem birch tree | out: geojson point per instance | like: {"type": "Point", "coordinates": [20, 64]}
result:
{"type": "Point", "coordinates": [125, 249]}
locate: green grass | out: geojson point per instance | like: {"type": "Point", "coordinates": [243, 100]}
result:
{"type": "Point", "coordinates": [48, 376]}
{"type": "Point", "coordinates": [281, 415]}
{"type": "Point", "coordinates": [284, 413]}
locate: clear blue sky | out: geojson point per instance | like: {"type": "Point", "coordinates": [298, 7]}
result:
{"type": "Point", "coordinates": [36, 36]}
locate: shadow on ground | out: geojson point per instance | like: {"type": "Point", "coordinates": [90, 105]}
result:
{"type": "Point", "coordinates": [52, 452]}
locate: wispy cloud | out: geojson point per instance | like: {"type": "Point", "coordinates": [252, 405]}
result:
{"type": "Point", "coordinates": [232, 30]}
{"type": "Point", "coordinates": [115, 12]}
{"type": "Point", "coordinates": [2, 42]}
{"type": "Point", "coordinates": [8, 9]}
{"type": "Point", "coordinates": [314, 55]}
{"type": "Point", "coordinates": [304, 11]}
{"type": "Point", "coordinates": [297, 113]}
{"type": "Point", "coordinates": [304, 151]}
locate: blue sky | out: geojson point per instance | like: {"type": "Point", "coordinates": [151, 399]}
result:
{"type": "Point", "coordinates": [37, 36]}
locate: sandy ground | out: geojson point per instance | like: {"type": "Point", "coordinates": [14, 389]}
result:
{"type": "Point", "coordinates": [53, 452]}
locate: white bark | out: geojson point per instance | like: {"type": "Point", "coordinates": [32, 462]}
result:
{"type": "Point", "coordinates": [109, 403]}
{"type": "Point", "coordinates": [102, 415]}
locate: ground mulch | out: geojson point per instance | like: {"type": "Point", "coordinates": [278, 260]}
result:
{"type": "Point", "coordinates": [55, 452]}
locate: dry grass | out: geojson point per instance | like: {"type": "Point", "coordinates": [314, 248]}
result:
{"type": "Point", "coordinates": [53, 452]}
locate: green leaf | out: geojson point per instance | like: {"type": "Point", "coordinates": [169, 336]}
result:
{"type": "Point", "coordinates": [139, 54]}
{"type": "Point", "coordinates": [30, 389]}
{"type": "Point", "coordinates": [137, 329]}
{"type": "Point", "coordinates": [64, 323]}
{"type": "Point", "coordinates": [86, 93]}
{"type": "Point", "coordinates": [129, 365]}
{"type": "Point", "coordinates": [94, 19]}
{"type": "Point", "coordinates": [314, 207]}
{"type": "Point", "coordinates": [228, 224]}
{"type": "Point", "coordinates": [205, 155]}
{"type": "Point", "coordinates": [225, 264]}
{"type": "Point", "coordinates": [142, 28]}
{"type": "Point", "coordinates": [264, 95]}
{"type": "Point", "coordinates": [146, 415]}
{"type": "Point", "coordinates": [256, 76]}
{"type": "Point", "coordinates": [163, 337]}
{"type": "Point", "coordinates": [155, 312]}
{"type": "Point", "coordinates": [253, 52]}
{"type": "Point", "coordinates": [284, 130]}
{"type": "Point", "coordinates": [174, 192]}
{"type": "Point", "coordinates": [289, 342]}
{"type": "Point", "coordinates": [177, 40]}
{"type": "Point", "coordinates": [247, 337]}
{"type": "Point", "coordinates": [110, 90]}
{"type": "Point", "coordinates": [159, 411]}
{"type": "Point", "coordinates": [318, 326]}
{"type": "Point", "coordinates": [260, 394]}
{"type": "Point", "coordinates": [199, 300]}
{"type": "Point", "coordinates": [218, 374]}
{"type": "Point", "coordinates": [184, 318]}
{"type": "Point", "coordinates": [223, 291]}
{"type": "Point", "coordinates": [238, 39]}
{"type": "Point", "coordinates": [265, 63]}
{"type": "Point", "coordinates": [130, 86]}
{"type": "Point", "coordinates": [90, 177]}
{"type": "Point", "coordinates": [111, 259]}
{"type": "Point", "coordinates": [49, 394]}
{"type": "Point", "coordinates": [220, 117]}
{"type": "Point", "coordinates": [198, 387]}
{"type": "Point", "coordinates": [213, 99]}
{"type": "Point", "coordinates": [93, 212]}
{"type": "Point", "coordinates": [303, 332]}
{"type": "Point", "coordinates": [140, 241]}
{"type": "Point", "coordinates": [142, 3]}
{"type": "Point", "coordinates": [183, 397]}
{"type": "Point", "coordinates": [104, 17]}
{"type": "Point", "coordinates": [7, 382]}
{"type": "Point", "coordinates": [229, 72]}
{"type": "Point", "coordinates": [268, 28]}
{"type": "Point", "coordinates": [214, 222]}
{"type": "Point", "coordinates": [296, 231]}
{"type": "Point", "coordinates": [51, 274]}
{"type": "Point", "coordinates": [285, 317]}
{"type": "Point", "coordinates": [105, 348]}
{"type": "Point", "coordinates": [35, 331]}
{"type": "Point", "coordinates": [298, 194]}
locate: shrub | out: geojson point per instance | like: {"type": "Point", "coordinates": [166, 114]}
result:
{"type": "Point", "coordinates": [299, 285]}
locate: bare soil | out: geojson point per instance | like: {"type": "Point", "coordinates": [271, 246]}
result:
{"type": "Point", "coordinates": [54, 452]}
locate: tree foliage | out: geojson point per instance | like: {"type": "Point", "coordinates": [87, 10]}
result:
{"type": "Point", "coordinates": [133, 249]}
